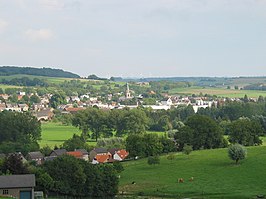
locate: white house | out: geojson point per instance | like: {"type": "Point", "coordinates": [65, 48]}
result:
{"type": "Point", "coordinates": [167, 102]}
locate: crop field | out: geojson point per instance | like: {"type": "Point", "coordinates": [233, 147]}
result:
{"type": "Point", "coordinates": [215, 176]}
{"type": "Point", "coordinates": [220, 92]}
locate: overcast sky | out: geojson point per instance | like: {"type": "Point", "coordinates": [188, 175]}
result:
{"type": "Point", "coordinates": [136, 38]}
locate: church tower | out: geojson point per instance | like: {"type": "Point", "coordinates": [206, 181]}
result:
{"type": "Point", "coordinates": [127, 94]}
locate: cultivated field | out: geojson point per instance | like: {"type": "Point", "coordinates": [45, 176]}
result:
{"type": "Point", "coordinates": [220, 92]}
{"type": "Point", "coordinates": [215, 176]}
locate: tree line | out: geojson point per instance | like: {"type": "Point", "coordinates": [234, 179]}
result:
{"type": "Point", "coordinates": [67, 176]}
{"type": "Point", "coordinates": [49, 72]}
{"type": "Point", "coordinates": [24, 81]}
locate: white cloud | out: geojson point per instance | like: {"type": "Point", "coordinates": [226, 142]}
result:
{"type": "Point", "coordinates": [3, 25]}
{"type": "Point", "coordinates": [41, 34]}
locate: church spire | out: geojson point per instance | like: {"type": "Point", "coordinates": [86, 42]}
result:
{"type": "Point", "coordinates": [127, 92]}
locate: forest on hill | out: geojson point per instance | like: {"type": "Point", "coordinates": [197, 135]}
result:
{"type": "Point", "coordinates": [49, 72]}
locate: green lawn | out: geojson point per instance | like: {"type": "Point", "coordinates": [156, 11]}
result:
{"type": "Point", "coordinates": [220, 92]}
{"type": "Point", "coordinates": [215, 176]}
{"type": "Point", "coordinates": [56, 133]}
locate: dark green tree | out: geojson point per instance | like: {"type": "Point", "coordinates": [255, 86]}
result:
{"type": "Point", "coordinates": [76, 142]}
{"type": "Point", "coordinates": [57, 99]}
{"type": "Point", "coordinates": [35, 99]}
{"type": "Point", "coordinates": [245, 132]}
{"type": "Point", "coordinates": [13, 164]}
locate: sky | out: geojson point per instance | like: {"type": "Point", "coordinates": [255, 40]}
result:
{"type": "Point", "coordinates": [136, 38]}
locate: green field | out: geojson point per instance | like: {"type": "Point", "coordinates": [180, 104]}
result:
{"type": "Point", "coordinates": [3, 86]}
{"type": "Point", "coordinates": [215, 176]}
{"type": "Point", "coordinates": [56, 133]}
{"type": "Point", "coordinates": [220, 92]}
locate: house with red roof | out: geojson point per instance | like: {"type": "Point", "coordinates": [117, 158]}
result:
{"type": "Point", "coordinates": [102, 158]}
{"type": "Point", "coordinates": [120, 155]}
{"type": "Point", "coordinates": [76, 154]}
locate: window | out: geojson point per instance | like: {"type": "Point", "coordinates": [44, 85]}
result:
{"type": "Point", "coordinates": [5, 192]}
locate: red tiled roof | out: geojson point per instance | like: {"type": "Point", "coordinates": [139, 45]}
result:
{"type": "Point", "coordinates": [102, 158]}
{"type": "Point", "coordinates": [77, 154]}
{"type": "Point", "coordinates": [74, 109]}
{"type": "Point", "coordinates": [20, 97]}
{"type": "Point", "coordinates": [122, 154]}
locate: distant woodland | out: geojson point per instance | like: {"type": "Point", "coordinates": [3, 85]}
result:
{"type": "Point", "coordinates": [49, 72]}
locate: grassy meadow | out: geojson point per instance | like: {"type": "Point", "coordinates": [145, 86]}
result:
{"type": "Point", "coordinates": [215, 176]}
{"type": "Point", "coordinates": [56, 133]}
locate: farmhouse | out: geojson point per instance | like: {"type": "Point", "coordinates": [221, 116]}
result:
{"type": "Point", "coordinates": [76, 154]}
{"type": "Point", "coordinates": [36, 156]}
{"type": "Point", "coordinates": [97, 151]}
{"type": "Point", "coordinates": [58, 152]}
{"type": "Point", "coordinates": [85, 154]}
{"type": "Point", "coordinates": [45, 114]}
{"type": "Point", "coordinates": [17, 186]}
{"type": "Point", "coordinates": [167, 102]}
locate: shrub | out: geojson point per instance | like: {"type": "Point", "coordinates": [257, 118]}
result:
{"type": "Point", "coordinates": [152, 160]}
{"type": "Point", "coordinates": [187, 149]}
{"type": "Point", "coordinates": [237, 152]}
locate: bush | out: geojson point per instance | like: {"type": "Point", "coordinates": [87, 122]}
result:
{"type": "Point", "coordinates": [152, 160]}
{"type": "Point", "coordinates": [237, 152]}
{"type": "Point", "coordinates": [118, 166]}
{"type": "Point", "coordinates": [171, 157]}
{"type": "Point", "coordinates": [187, 149]}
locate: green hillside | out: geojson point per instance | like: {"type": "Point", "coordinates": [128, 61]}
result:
{"type": "Point", "coordinates": [215, 176]}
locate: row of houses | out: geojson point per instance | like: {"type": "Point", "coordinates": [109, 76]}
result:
{"type": "Point", "coordinates": [95, 156]}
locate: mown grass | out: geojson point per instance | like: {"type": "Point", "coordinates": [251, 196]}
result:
{"type": "Point", "coordinates": [56, 133]}
{"type": "Point", "coordinates": [220, 92]}
{"type": "Point", "coordinates": [215, 176]}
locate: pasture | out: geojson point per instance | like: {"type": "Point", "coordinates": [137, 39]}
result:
{"type": "Point", "coordinates": [56, 133]}
{"type": "Point", "coordinates": [215, 176]}
{"type": "Point", "coordinates": [220, 92]}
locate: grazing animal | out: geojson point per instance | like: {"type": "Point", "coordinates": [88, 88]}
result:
{"type": "Point", "coordinates": [191, 179]}
{"type": "Point", "coordinates": [133, 182]}
{"type": "Point", "coordinates": [180, 180]}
